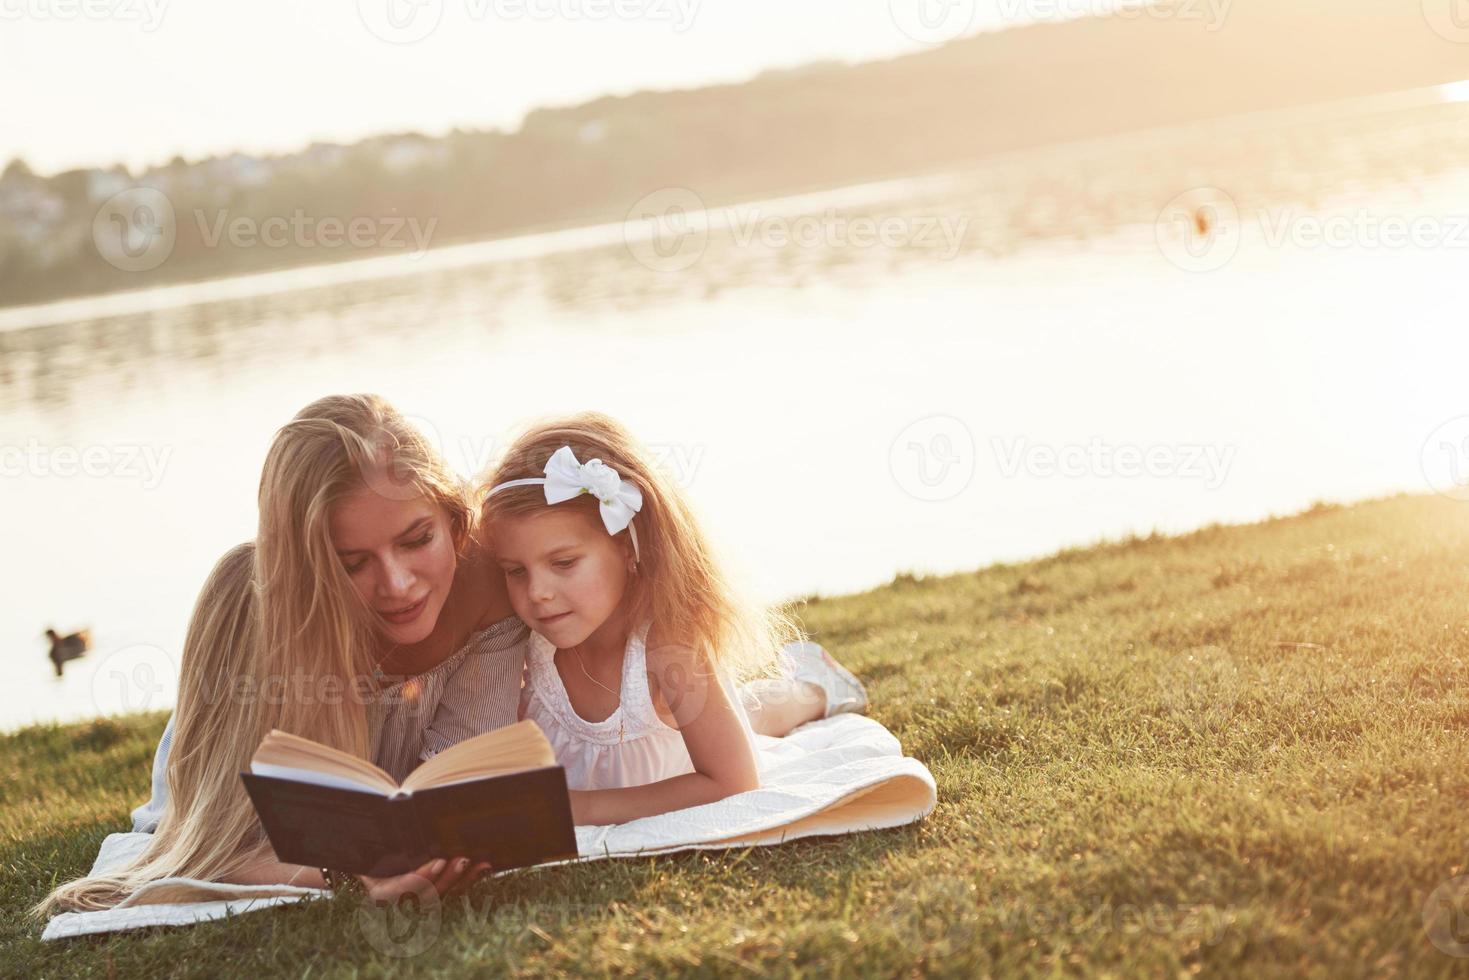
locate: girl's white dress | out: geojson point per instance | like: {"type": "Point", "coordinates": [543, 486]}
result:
{"type": "Point", "coordinates": [593, 753]}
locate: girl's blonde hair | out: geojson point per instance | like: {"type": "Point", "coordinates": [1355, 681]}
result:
{"type": "Point", "coordinates": [279, 638]}
{"type": "Point", "coordinates": [679, 584]}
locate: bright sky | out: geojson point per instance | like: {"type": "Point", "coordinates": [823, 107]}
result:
{"type": "Point", "coordinates": [92, 82]}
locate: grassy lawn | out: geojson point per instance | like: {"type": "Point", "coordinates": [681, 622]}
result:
{"type": "Point", "coordinates": [1238, 752]}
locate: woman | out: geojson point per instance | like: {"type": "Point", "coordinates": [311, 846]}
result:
{"type": "Point", "coordinates": [360, 618]}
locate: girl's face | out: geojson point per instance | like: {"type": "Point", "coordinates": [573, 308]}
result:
{"type": "Point", "coordinates": [565, 574]}
{"type": "Point", "coordinates": [400, 558]}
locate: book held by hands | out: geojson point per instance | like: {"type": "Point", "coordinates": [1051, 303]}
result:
{"type": "Point", "coordinates": [497, 797]}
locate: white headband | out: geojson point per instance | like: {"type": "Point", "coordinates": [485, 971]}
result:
{"type": "Point", "coordinates": [566, 478]}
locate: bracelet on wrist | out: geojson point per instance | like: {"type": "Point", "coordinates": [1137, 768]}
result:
{"type": "Point", "coordinates": [337, 881]}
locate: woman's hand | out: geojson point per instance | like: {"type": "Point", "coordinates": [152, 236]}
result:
{"type": "Point", "coordinates": [439, 876]}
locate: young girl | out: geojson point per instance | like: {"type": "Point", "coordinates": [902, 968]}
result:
{"type": "Point", "coordinates": [637, 632]}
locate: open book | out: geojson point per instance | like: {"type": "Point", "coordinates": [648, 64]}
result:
{"type": "Point", "coordinates": [497, 797]}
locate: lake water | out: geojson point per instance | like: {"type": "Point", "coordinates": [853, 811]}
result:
{"type": "Point", "coordinates": [839, 410]}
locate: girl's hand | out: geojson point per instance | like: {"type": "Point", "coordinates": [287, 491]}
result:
{"type": "Point", "coordinates": [438, 877]}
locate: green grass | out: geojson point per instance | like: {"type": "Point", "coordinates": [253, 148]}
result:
{"type": "Point", "coordinates": [1238, 752]}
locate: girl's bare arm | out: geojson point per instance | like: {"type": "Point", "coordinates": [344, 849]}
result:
{"type": "Point", "coordinates": [723, 758]}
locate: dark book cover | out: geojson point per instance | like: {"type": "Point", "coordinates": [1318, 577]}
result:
{"type": "Point", "coordinates": [511, 821]}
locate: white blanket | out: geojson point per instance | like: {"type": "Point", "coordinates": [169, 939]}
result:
{"type": "Point", "coordinates": [837, 776]}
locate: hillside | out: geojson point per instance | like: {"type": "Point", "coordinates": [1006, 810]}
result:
{"type": "Point", "coordinates": [826, 125]}
{"type": "Point", "coordinates": [1233, 753]}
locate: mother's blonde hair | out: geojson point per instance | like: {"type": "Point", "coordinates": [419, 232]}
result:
{"type": "Point", "coordinates": [680, 584]}
{"type": "Point", "coordinates": [278, 639]}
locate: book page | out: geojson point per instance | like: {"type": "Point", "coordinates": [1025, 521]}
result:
{"type": "Point", "coordinates": [313, 778]}
{"type": "Point", "coordinates": [285, 751]}
{"type": "Point", "coordinates": [519, 746]}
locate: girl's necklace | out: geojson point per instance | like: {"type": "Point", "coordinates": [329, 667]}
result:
{"type": "Point", "coordinates": [577, 650]}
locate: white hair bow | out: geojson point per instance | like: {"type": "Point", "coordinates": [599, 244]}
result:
{"type": "Point", "coordinates": [566, 478]}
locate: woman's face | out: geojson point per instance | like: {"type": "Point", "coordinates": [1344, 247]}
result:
{"type": "Point", "coordinates": [399, 556]}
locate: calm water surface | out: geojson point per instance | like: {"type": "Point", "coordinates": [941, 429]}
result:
{"type": "Point", "coordinates": [838, 413]}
